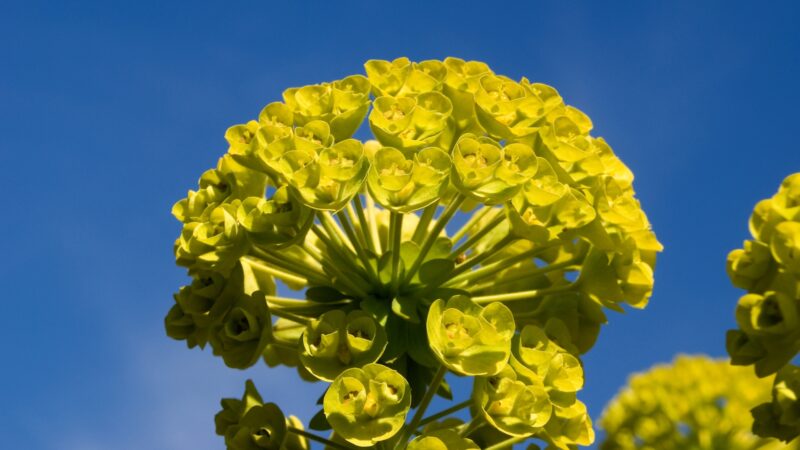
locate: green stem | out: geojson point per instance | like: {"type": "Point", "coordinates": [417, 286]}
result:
{"type": "Point", "coordinates": [308, 272]}
{"type": "Point", "coordinates": [287, 315]}
{"type": "Point", "coordinates": [364, 224]}
{"type": "Point", "coordinates": [523, 274]}
{"type": "Point", "coordinates": [409, 429]}
{"type": "Point", "coordinates": [424, 222]}
{"type": "Point", "coordinates": [491, 269]}
{"type": "Point", "coordinates": [478, 259]}
{"type": "Point", "coordinates": [319, 439]}
{"type": "Point", "coordinates": [522, 295]}
{"type": "Point", "coordinates": [285, 344]}
{"type": "Point", "coordinates": [471, 426]}
{"type": "Point", "coordinates": [396, 233]}
{"type": "Point", "coordinates": [475, 218]}
{"type": "Point", "coordinates": [430, 238]}
{"type": "Point", "coordinates": [445, 412]}
{"type": "Point", "coordinates": [334, 231]}
{"type": "Point", "coordinates": [373, 224]}
{"type": "Point", "coordinates": [285, 276]}
{"type": "Point", "coordinates": [360, 251]}
{"type": "Point", "coordinates": [507, 443]}
{"type": "Point", "coordinates": [473, 239]}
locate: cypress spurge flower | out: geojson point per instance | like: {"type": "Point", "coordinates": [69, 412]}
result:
{"type": "Point", "coordinates": [768, 334]}
{"type": "Point", "coordinates": [469, 339]}
{"type": "Point", "coordinates": [481, 229]}
{"type": "Point", "coordinates": [441, 440]}
{"type": "Point", "coordinates": [338, 341]}
{"type": "Point", "coordinates": [367, 405]}
{"type": "Point", "coordinates": [693, 402]}
{"type": "Point", "coordinates": [244, 332]}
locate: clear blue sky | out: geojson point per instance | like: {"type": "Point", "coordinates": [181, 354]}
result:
{"type": "Point", "coordinates": [109, 111]}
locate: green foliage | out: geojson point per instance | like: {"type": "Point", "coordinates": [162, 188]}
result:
{"type": "Point", "coordinates": [393, 298]}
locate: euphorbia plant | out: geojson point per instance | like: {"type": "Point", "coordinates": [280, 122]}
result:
{"type": "Point", "coordinates": [768, 316]}
{"type": "Point", "coordinates": [482, 232]}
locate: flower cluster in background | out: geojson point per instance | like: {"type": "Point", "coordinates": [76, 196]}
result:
{"type": "Point", "coordinates": [768, 316]}
{"type": "Point", "coordinates": [392, 299]}
{"type": "Point", "coordinates": [693, 403]}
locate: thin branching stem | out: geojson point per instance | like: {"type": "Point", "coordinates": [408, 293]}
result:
{"type": "Point", "coordinates": [430, 238]}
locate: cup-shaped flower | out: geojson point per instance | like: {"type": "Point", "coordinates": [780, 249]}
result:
{"type": "Point", "coordinates": [404, 184]}
{"type": "Point", "coordinates": [785, 246]}
{"type": "Point", "coordinates": [513, 406]}
{"type": "Point", "coordinates": [244, 332]}
{"type": "Point", "coordinates": [489, 173]}
{"type": "Point", "coordinates": [227, 181]}
{"type": "Point", "coordinates": [338, 341]}
{"type": "Point", "coordinates": [233, 409]}
{"type": "Point", "coordinates": [441, 440]}
{"type": "Point", "coordinates": [240, 137]}
{"type": "Point", "coordinates": [387, 77]}
{"type": "Point", "coordinates": [771, 314]}
{"type": "Point", "coordinates": [506, 110]}
{"type": "Point", "coordinates": [461, 82]}
{"type": "Point", "coordinates": [412, 123]}
{"type": "Point", "coordinates": [570, 427]}
{"type": "Point", "coordinates": [367, 405]}
{"type": "Point", "coordinates": [279, 221]}
{"type": "Point", "coordinates": [747, 266]}
{"type": "Point", "coordinates": [780, 418]}
{"type": "Point", "coordinates": [343, 104]}
{"type": "Point", "coordinates": [261, 427]}
{"type": "Point", "coordinates": [469, 339]}
{"type": "Point", "coordinates": [330, 179]}
{"type": "Point", "coordinates": [215, 244]}
{"type": "Point", "coordinates": [536, 355]}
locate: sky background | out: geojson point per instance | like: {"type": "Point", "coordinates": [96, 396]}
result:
{"type": "Point", "coordinates": [109, 112]}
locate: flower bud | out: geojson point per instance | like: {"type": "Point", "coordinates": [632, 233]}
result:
{"type": "Point", "coordinates": [785, 246]}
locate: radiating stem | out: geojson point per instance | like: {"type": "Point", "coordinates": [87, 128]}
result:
{"type": "Point", "coordinates": [287, 315]}
{"type": "Point", "coordinates": [523, 274]}
{"type": "Point", "coordinates": [373, 224]}
{"type": "Point", "coordinates": [445, 412]}
{"type": "Point", "coordinates": [471, 426]}
{"type": "Point", "coordinates": [362, 254]}
{"type": "Point", "coordinates": [424, 222]}
{"type": "Point", "coordinates": [475, 238]}
{"type": "Point", "coordinates": [365, 225]}
{"type": "Point", "coordinates": [334, 231]}
{"type": "Point", "coordinates": [285, 276]}
{"type": "Point", "coordinates": [475, 218]}
{"type": "Point", "coordinates": [430, 238]}
{"type": "Point", "coordinates": [479, 258]}
{"type": "Point", "coordinates": [522, 295]}
{"type": "Point", "coordinates": [495, 267]}
{"type": "Point", "coordinates": [319, 439]}
{"type": "Point", "coordinates": [423, 405]}
{"type": "Point", "coordinates": [395, 233]}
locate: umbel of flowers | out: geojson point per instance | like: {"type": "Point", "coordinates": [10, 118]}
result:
{"type": "Point", "coordinates": [768, 316]}
{"type": "Point", "coordinates": [482, 231]}
{"type": "Point", "coordinates": [693, 403]}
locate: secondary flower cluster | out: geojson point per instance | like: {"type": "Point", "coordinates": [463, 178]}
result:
{"type": "Point", "coordinates": [544, 233]}
{"type": "Point", "coordinates": [768, 267]}
{"type": "Point", "coordinates": [694, 403]}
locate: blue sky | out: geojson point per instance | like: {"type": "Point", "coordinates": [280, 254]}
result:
{"type": "Point", "coordinates": [109, 111]}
